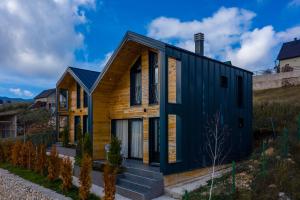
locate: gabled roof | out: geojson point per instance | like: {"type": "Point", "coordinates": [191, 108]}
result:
{"type": "Point", "coordinates": [289, 50]}
{"type": "Point", "coordinates": [45, 93]}
{"type": "Point", "coordinates": [86, 78]}
{"type": "Point", "coordinates": [149, 42]}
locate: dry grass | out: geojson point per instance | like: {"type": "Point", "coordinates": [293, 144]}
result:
{"type": "Point", "coordinates": [278, 95]}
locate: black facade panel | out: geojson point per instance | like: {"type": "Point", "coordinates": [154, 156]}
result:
{"type": "Point", "coordinates": [202, 97]}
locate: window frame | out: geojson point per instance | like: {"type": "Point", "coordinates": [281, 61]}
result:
{"type": "Point", "coordinates": [153, 83]}
{"type": "Point", "coordinates": [85, 99]}
{"type": "Point", "coordinates": [78, 95]}
{"type": "Point", "coordinates": [134, 70]}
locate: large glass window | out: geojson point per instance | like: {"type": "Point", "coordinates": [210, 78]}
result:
{"type": "Point", "coordinates": [153, 78]}
{"type": "Point", "coordinates": [78, 95]}
{"type": "Point", "coordinates": [174, 80]}
{"type": "Point", "coordinates": [63, 99]}
{"type": "Point", "coordinates": [136, 83]}
{"type": "Point", "coordinates": [85, 124]}
{"type": "Point", "coordinates": [85, 99]}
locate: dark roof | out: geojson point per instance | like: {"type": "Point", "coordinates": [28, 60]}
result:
{"type": "Point", "coordinates": [152, 43]}
{"type": "Point", "coordinates": [45, 93]}
{"type": "Point", "coordinates": [87, 77]}
{"type": "Point", "coordinates": [289, 50]}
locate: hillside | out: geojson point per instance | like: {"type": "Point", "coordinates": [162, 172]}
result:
{"type": "Point", "coordinates": [278, 95]}
{"type": "Point", "coordinates": [15, 100]}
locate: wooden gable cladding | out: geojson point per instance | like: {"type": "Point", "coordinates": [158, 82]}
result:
{"type": "Point", "coordinates": [70, 84]}
{"type": "Point", "coordinates": [111, 99]}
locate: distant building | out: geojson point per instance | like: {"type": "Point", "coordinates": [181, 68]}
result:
{"type": "Point", "coordinates": [289, 56]}
{"type": "Point", "coordinates": [8, 123]}
{"type": "Point", "coordinates": [46, 99]}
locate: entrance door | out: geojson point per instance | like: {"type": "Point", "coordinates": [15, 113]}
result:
{"type": "Point", "coordinates": [76, 122]}
{"type": "Point", "coordinates": [136, 139]}
{"type": "Point", "coordinates": [154, 145]}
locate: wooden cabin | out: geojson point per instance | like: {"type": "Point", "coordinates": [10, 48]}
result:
{"type": "Point", "coordinates": [158, 98]}
{"type": "Point", "coordinates": [73, 93]}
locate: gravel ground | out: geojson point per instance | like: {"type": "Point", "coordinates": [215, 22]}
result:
{"type": "Point", "coordinates": [13, 187]}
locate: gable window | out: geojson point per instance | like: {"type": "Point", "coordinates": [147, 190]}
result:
{"type": "Point", "coordinates": [63, 99]}
{"type": "Point", "coordinates": [224, 82]}
{"type": "Point", "coordinates": [85, 99]}
{"type": "Point", "coordinates": [239, 96]}
{"type": "Point", "coordinates": [174, 81]}
{"type": "Point", "coordinates": [78, 95]}
{"type": "Point", "coordinates": [153, 78]}
{"type": "Point", "coordinates": [136, 83]}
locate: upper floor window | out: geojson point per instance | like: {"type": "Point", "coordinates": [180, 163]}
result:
{"type": "Point", "coordinates": [78, 92]}
{"type": "Point", "coordinates": [153, 78]}
{"type": "Point", "coordinates": [136, 83]}
{"type": "Point", "coordinates": [85, 99]}
{"type": "Point", "coordinates": [223, 81]}
{"type": "Point", "coordinates": [240, 94]}
{"type": "Point", "coordinates": [174, 80]}
{"type": "Point", "coordinates": [63, 99]}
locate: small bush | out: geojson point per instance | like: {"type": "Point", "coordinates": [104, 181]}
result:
{"type": "Point", "coordinates": [53, 164]}
{"type": "Point", "coordinates": [66, 137]}
{"type": "Point", "coordinates": [110, 174]}
{"type": "Point", "coordinates": [79, 141]}
{"type": "Point", "coordinates": [31, 155]}
{"type": "Point", "coordinates": [24, 156]}
{"type": "Point", "coordinates": [7, 150]}
{"type": "Point", "coordinates": [41, 159]}
{"type": "Point", "coordinates": [114, 154]}
{"type": "Point", "coordinates": [15, 155]}
{"type": "Point", "coordinates": [87, 145]}
{"type": "Point", "coordinates": [85, 177]}
{"type": "Point", "coordinates": [66, 174]}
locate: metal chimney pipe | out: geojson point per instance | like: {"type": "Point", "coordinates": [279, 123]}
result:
{"type": "Point", "coordinates": [199, 43]}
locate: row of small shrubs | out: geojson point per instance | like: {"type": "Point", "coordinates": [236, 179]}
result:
{"type": "Point", "coordinates": [26, 155]}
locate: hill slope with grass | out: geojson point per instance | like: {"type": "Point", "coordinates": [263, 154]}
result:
{"type": "Point", "coordinates": [289, 95]}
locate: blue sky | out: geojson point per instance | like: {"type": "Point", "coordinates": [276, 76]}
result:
{"type": "Point", "coordinates": [39, 39]}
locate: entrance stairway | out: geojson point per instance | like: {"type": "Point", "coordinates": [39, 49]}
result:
{"type": "Point", "coordinates": [138, 181]}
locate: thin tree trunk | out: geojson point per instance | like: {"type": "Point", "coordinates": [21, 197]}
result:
{"type": "Point", "coordinates": [214, 161]}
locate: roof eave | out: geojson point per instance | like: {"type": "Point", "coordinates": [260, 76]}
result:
{"type": "Point", "coordinates": [129, 36]}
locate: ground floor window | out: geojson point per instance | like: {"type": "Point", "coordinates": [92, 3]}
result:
{"type": "Point", "coordinates": [154, 140]}
{"type": "Point", "coordinates": [130, 132]}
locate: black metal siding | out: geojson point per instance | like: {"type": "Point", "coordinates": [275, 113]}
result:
{"type": "Point", "coordinates": [202, 97]}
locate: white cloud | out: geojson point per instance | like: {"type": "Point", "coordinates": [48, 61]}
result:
{"type": "Point", "coordinates": [105, 60]}
{"type": "Point", "coordinates": [27, 93]}
{"type": "Point", "coordinates": [38, 38]}
{"type": "Point", "coordinates": [16, 91]}
{"type": "Point", "coordinates": [21, 93]}
{"type": "Point", "coordinates": [228, 36]}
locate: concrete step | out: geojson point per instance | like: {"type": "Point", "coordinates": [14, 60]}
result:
{"type": "Point", "coordinates": [144, 173]}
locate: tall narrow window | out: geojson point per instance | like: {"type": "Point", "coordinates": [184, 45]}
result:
{"type": "Point", "coordinates": [136, 83]}
{"type": "Point", "coordinates": [174, 80]}
{"type": "Point", "coordinates": [240, 93]}
{"type": "Point", "coordinates": [153, 78]}
{"type": "Point", "coordinates": [85, 99]}
{"type": "Point", "coordinates": [78, 88]}
{"type": "Point", "coordinates": [85, 124]}
{"type": "Point", "coordinates": [63, 99]}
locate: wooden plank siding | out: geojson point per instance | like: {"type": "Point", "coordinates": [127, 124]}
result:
{"type": "Point", "coordinates": [70, 84]}
{"type": "Point", "coordinates": [112, 101]}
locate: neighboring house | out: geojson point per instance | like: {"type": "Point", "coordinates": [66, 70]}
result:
{"type": "Point", "coordinates": [46, 99]}
{"type": "Point", "coordinates": [158, 99]}
{"type": "Point", "coordinates": [289, 56]}
{"type": "Point", "coordinates": [73, 97]}
{"type": "Point", "coordinates": [8, 124]}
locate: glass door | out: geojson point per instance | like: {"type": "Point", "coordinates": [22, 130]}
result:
{"type": "Point", "coordinates": [136, 139]}
{"type": "Point", "coordinates": [154, 144]}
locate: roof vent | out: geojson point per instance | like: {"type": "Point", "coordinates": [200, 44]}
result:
{"type": "Point", "coordinates": [199, 43]}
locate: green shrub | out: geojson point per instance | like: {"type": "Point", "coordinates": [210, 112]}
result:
{"type": "Point", "coordinates": [66, 136]}
{"type": "Point", "coordinates": [87, 145]}
{"type": "Point", "coordinates": [114, 154]}
{"type": "Point", "coordinates": [79, 141]}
